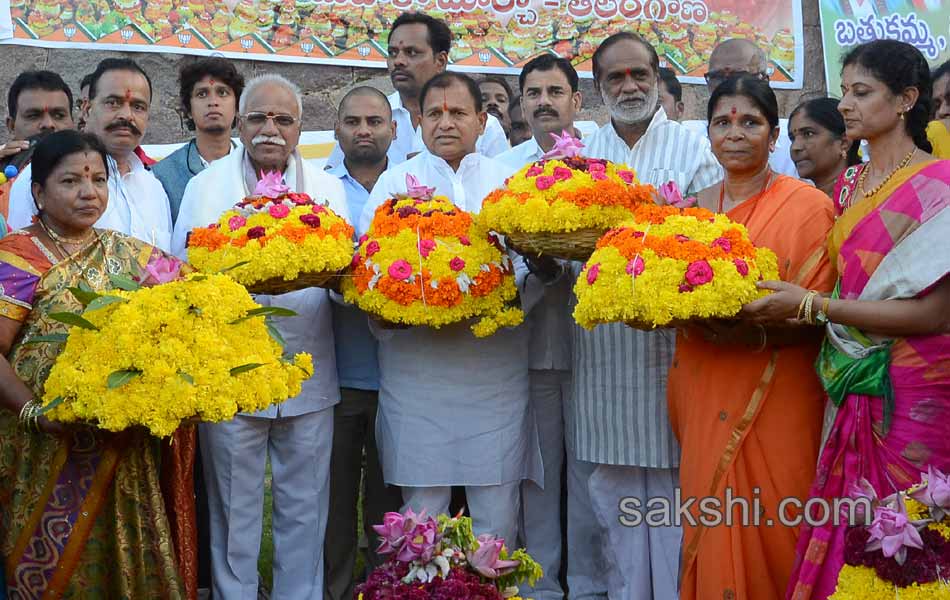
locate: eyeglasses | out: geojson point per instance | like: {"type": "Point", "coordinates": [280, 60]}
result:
{"type": "Point", "coordinates": [257, 119]}
{"type": "Point", "coordinates": [723, 74]}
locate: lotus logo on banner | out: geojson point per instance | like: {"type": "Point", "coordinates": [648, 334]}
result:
{"type": "Point", "coordinates": [307, 47]}
{"type": "Point", "coordinates": [184, 37]}
{"type": "Point", "coordinates": [484, 56]}
{"type": "Point", "coordinates": [69, 31]}
{"type": "Point", "coordinates": [247, 43]}
{"type": "Point", "coordinates": [126, 35]}
{"type": "Point", "coordinates": [363, 51]}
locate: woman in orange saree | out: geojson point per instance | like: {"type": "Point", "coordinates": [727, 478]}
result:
{"type": "Point", "coordinates": [84, 513]}
{"type": "Point", "coordinates": [745, 402]}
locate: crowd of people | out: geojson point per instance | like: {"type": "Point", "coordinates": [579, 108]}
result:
{"type": "Point", "coordinates": [546, 433]}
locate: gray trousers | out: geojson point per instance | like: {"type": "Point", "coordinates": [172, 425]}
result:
{"type": "Point", "coordinates": [354, 436]}
{"type": "Point", "coordinates": [235, 456]}
{"type": "Point", "coordinates": [493, 508]}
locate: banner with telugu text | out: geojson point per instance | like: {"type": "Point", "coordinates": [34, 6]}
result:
{"type": "Point", "coordinates": [847, 23]}
{"type": "Point", "coordinates": [490, 35]}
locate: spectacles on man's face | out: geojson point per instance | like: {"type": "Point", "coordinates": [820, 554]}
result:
{"type": "Point", "coordinates": [257, 119]}
{"type": "Point", "coordinates": [721, 75]}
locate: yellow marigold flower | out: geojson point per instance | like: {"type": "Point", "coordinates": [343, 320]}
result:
{"type": "Point", "coordinates": [862, 583]}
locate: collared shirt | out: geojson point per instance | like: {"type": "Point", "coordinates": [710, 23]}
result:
{"type": "Point", "coordinates": [781, 158]}
{"type": "Point", "coordinates": [357, 364]}
{"type": "Point", "coordinates": [619, 388]}
{"type": "Point", "coordinates": [138, 205]}
{"type": "Point", "coordinates": [408, 139]}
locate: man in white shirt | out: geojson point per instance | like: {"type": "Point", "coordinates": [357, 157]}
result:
{"type": "Point", "coordinates": [742, 57]}
{"type": "Point", "coordinates": [120, 94]}
{"type": "Point", "coordinates": [619, 392]}
{"type": "Point", "coordinates": [453, 408]}
{"type": "Point", "coordinates": [298, 434]}
{"type": "Point", "coordinates": [550, 99]}
{"type": "Point", "coordinates": [419, 47]}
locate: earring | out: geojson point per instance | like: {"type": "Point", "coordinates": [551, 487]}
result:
{"type": "Point", "coordinates": [844, 154]}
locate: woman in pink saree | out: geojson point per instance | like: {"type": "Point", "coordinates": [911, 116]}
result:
{"type": "Point", "coordinates": [885, 362]}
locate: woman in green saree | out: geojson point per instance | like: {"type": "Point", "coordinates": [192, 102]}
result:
{"type": "Point", "coordinates": [83, 512]}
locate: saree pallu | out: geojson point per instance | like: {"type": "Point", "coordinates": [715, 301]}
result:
{"type": "Point", "coordinates": [895, 244]}
{"type": "Point", "coordinates": [749, 422]}
{"type": "Point", "coordinates": [93, 514]}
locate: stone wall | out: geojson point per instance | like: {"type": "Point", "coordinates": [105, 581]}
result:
{"type": "Point", "coordinates": [323, 86]}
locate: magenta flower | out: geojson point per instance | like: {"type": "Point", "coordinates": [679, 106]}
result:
{"type": "Point", "coordinates": [893, 533]}
{"type": "Point", "coordinates": [592, 273]}
{"type": "Point", "coordinates": [318, 209]}
{"type": "Point", "coordinates": [698, 273]}
{"type": "Point", "coordinates": [311, 220]}
{"type": "Point", "coordinates": [356, 261]}
{"type": "Point", "coordinates": [596, 167]}
{"type": "Point", "coordinates": [627, 176]}
{"type": "Point", "coordinates": [485, 559]}
{"type": "Point", "coordinates": [741, 266]}
{"type": "Point", "coordinates": [278, 211]}
{"type": "Point", "coordinates": [935, 493]}
{"type": "Point", "coordinates": [457, 264]}
{"type": "Point", "coordinates": [409, 537]}
{"type": "Point", "coordinates": [463, 239]}
{"type": "Point", "coordinates": [598, 175]}
{"type": "Point", "coordinates": [426, 247]}
{"type": "Point", "coordinates": [299, 199]}
{"type": "Point", "coordinates": [236, 222]}
{"type": "Point", "coordinates": [391, 533]}
{"type": "Point", "coordinates": [682, 238]}
{"type": "Point", "coordinates": [565, 146]}
{"type": "Point", "coordinates": [544, 182]}
{"type": "Point", "coordinates": [407, 211]}
{"type": "Point", "coordinates": [638, 234]}
{"type": "Point", "coordinates": [362, 239]}
{"type": "Point", "coordinates": [562, 174]}
{"type": "Point", "coordinates": [670, 192]}
{"type": "Point", "coordinates": [400, 270]}
{"type": "Point", "coordinates": [861, 490]}
{"type": "Point", "coordinates": [159, 269]}
{"type": "Point", "coordinates": [372, 248]}
{"type": "Point", "coordinates": [685, 288]}
{"type": "Point", "coordinates": [723, 243]}
{"type": "Point", "coordinates": [534, 171]}
{"type": "Point", "coordinates": [271, 185]}
{"type": "Point", "coordinates": [256, 232]}
{"type": "Point", "coordinates": [635, 266]}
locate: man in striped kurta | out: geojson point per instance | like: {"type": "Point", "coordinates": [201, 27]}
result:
{"type": "Point", "coordinates": [621, 424]}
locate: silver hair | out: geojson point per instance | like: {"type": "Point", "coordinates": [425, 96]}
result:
{"type": "Point", "coordinates": [266, 78]}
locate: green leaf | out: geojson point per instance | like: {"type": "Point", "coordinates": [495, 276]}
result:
{"type": "Point", "coordinates": [53, 338]}
{"type": "Point", "coordinates": [124, 283]}
{"type": "Point", "coordinates": [265, 311]}
{"type": "Point", "coordinates": [195, 311]}
{"type": "Point", "coordinates": [245, 368]}
{"type": "Point", "coordinates": [72, 319]}
{"type": "Point", "coordinates": [103, 301]}
{"type": "Point", "coordinates": [274, 333]}
{"type": "Point", "coordinates": [119, 378]}
{"type": "Point", "coordinates": [188, 378]}
{"type": "Point", "coordinates": [55, 402]}
{"type": "Point", "coordinates": [85, 296]}
{"type": "Point", "coordinates": [232, 267]}
{"type": "Point", "coordinates": [198, 277]}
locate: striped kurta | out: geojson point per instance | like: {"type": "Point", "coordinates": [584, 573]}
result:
{"type": "Point", "coordinates": [619, 389]}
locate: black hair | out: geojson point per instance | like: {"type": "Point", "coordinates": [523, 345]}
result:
{"type": "Point", "coordinates": [52, 149]}
{"type": "Point", "coordinates": [824, 112]}
{"type": "Point", "coordinates": [500, 81]}
{"type": "Point", "coordinates": [86, 81]}
{"type": "Point", "coordinates": [751, 87]}
{"type": "Point", "coordinates": [619, 37]}
{"type": "Point", "coordinates": [444, 80]}
{"type": "Point", "coordinates": [365, 90]}
{"type": "Point", "coordinates": [941, 71]}
{"type": "Point", "coordinates": [673, 86]}
{"type": "Point", "coordinates": [548, 62]}
{"type": "Point", "coordinates": [220, 69]}
{"type": "Point", "coordinates": [116, 64]}
{"type": "Point", "coordinates": [515, 104]}
{"type": "Point", "coordinates": [36, 80]}
{"type": "Point", "coordinates": [900, 66]}
{"type": "Point", "coordinates": [440, 36]}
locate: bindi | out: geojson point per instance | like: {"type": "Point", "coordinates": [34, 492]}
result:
{"type": "Point", "coordinates": [445, 102]}
{"type": "Point", "coordinates": [629, 72]}
{"type": "Point", "coordinates": [128, 95]}
{"type": "Point", "coordinates": [733, 111]}
{"type": "Point", "coordinates": [86, 168]}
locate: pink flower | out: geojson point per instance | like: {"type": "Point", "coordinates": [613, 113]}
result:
{"type": "Point", "coordinates": [416, 190]}
{"type": "Point", "coordinates": [426, 247]}
{"type": "Point", "coordinates": [599, 175]}
{"type": "Point", "coordinates": [723, 243]}
{"type": "Point", "coordinates": [159, 269]}
{"type": "Point", "coordinates": [485, 558]}
{"type": "Point", "coordinates": [534, 171]}
{"type": "Point", "coordinates": [311, 220]}
{"type": "Point", "coordinates": [407, 211]}
{"type": "Point", "coordinates": [278, 211]}
{"type": "Point", "coordinates": [893, 533]}
{"type": "Point", "coordinates": [682, 238]}
{"type": "Point", "coordinates": [363, 238]}
{"type": "Point", "coordinates": [299, 199]}
{"type": "Point", "coordinates": [400, 270]}
{"type": "Point", "coordinates": [372, 248]}
{"type": "Point", "coordinates": [935, 493]}
{"type": "Point", "coordinates": [670, 192]}
{"type": "Point", "coordinates": [318, 209]}
{"type": "Point", "coordinates": [463, 239]}
{"type": "Point", "coordinates": [565, 146]}
{"type": "Point", "coordinates": [741, 266]}
{"type": "Point", "coordinates": [271, 185]}
{"type": "Point", "coordinates": [236, 222]}
{"type": "Point", "coordinates": [410, 537]}
{"type": "Point", "coordinates": [685, 288]}
{"type": "Point", "coordinates": [638, 234]}
{"type": "Point", "coordinates": [256, 232]}
{"type": "Point", "coordinates": [544, 182]}
{"type": "Point", "coordinates": [860, 490]}
{"type": "Point", "coordinates": [635, 266]}
{"type": "Point", "coordinates": [356, 261]}
{"type": "Point", "coordinates": [596, 167]}
{"type": "Point", "coordinates": [698, 273]}
{"type": "Point", "coordinates": [562, 174]}
{"type": "Point", "coordinates": [592, 273]}
{"type": "Point", "coordinates": [457, 264]}
{"type": "Point", "coordinates": [627, 176]}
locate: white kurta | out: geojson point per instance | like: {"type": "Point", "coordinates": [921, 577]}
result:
{"type": "Point", "coordinates": [453, 408]}
{"type": "Point", "coordinates": [220, 187]}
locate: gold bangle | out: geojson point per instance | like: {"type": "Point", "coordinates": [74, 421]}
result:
{"type": "Point", "coordinates": [29, 414]}
{"type": "Point", "coordinates": [809, 305]}
{"type": "Point", "coordinates": [801, 307]}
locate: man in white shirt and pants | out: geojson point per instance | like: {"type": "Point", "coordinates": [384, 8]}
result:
{"type": "Point", "coordinates": [298, 434]}
{"type": "Point", "coordinates": [419, 47]}
{"type": "Point", "coordinates": [119, 98]}
{"type": "Point", "coordinates": [453, 408]}
{"type": "Point", "coordinates": [619, 392]}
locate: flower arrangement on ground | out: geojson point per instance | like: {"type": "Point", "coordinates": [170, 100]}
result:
{"type": "Point", "coordinates": [441, 559]}
{"type": "Point", "coordinates": [197, 347]}
{"type": "Point", "coordinates": [671, 264]}
{"type": "Point", "coordinates": [272, 237]}
{"type": "Point", "coordinates": [905, 551]}
{"type": "Point", "coordinates": [426, 262]}
{"type": "Point", "coordinates": [563, 193]}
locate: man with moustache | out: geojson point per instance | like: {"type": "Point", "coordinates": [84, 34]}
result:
{"type": "Point", "coordinates": [623, 432]}
{"type": "Point", "coordinates": [209, 89]}
{"type": "Point", "coordinates": [419, 47]}
{"type": "Point", "coordinates": [297, 435]}
{"type": "Point", "coordinates": [496, 96]}
{"type": "Point", "coordinates": [364, 129]}
{"type": "Point", "coordinates": [120, 94]}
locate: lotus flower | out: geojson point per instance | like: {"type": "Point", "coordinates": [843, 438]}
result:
{"type": "Point", "coordinates": [485, 559]}
{"type": "Point", "coordinates": [416, 190]}
{"type": "Point", "coordinates": [935, 493]}
{"type": "Point", "coordinates": [159, 269]}
{"type": "Point", "coordinates": [670, 192]}
{"type": "Point", "coordinates": [410, 537]}
{"type": "Point", "coordinates": [271, 185]}
{"type": "Point", "coordinates": [565, 146]}
{"type": "Point", "coordinates": [864, 491]}
{"type": "Point", "coordinates": [893, 533]}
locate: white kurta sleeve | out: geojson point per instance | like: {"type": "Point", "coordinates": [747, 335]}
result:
{"type": "Point", "coordinates": [21, 208]}
{"type": "Point", "coordinates": [494, 141]}
{"type": "Point", "coordinates": [381, 192]}
{"type": "Point", "coordinates": [185, 222]}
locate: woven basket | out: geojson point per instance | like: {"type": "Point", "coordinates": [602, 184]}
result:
{"type": "Point", "coordinates": [570, 245]}
{"type": "Point", "coordinates": [279, 285]}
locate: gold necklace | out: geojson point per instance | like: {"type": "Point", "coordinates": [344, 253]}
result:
{"type": "Point", "coordinates": [60, 240]}
{"type": "Point", "coordinates": [878, 187]}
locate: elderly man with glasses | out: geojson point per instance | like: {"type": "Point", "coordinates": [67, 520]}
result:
{"type": "Point", "coordinates": [298, 434]}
